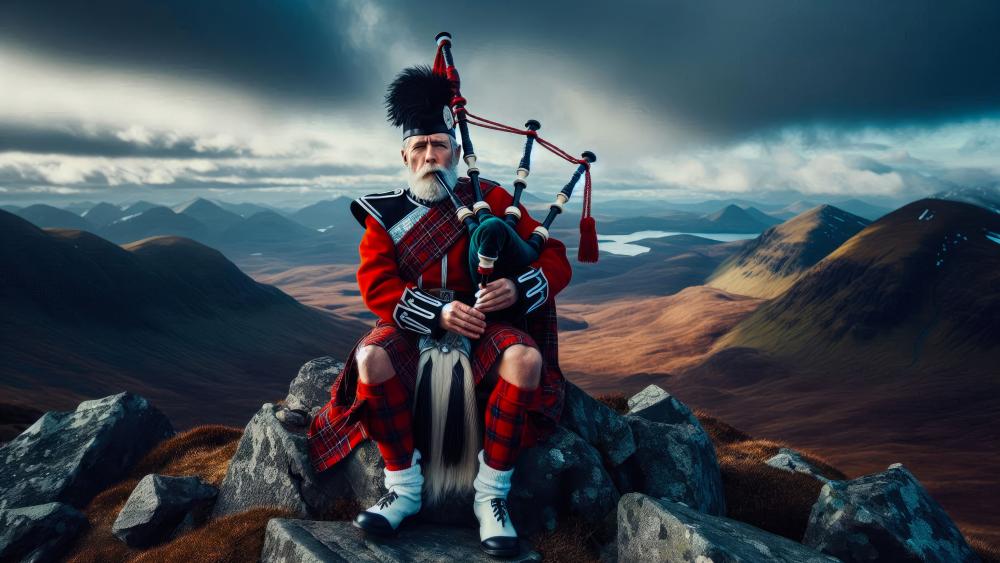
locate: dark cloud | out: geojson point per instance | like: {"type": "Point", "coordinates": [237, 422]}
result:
{"type": "Point", "coordinates": [733, 67]}
{"type": "Point", "coordinates": [297, 50]}
{"type": "Point", "coordinates": [726, 68]}
{"type": "Point", "coordinates": [73, 142]}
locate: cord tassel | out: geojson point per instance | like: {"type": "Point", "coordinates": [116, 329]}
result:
{"type": "Point", "coordinates": [588, 240]}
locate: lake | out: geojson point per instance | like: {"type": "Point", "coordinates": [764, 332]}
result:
{"type": "Point", "coordinates": [623, 245]}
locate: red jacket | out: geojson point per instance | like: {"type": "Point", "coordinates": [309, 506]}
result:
{"type": "Point", "coordinates": [381, 285]}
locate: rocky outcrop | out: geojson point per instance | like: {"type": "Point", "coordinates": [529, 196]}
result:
{"type": "Point", "coordinates": [656, 405]}
{"type": "Point", "coordinates": [38, 533]}
{"type": "Point", "coordinates": [792, 461]}
{"type": "Point", "coordinates": [887, 516]}
{"type": "Point", "coordinates": [271, 468]}
{"type": "Point", "coordinates": [158, 506]}
{"type": "Point", "coordinates": [71, 456]}
{"type": "Point", "coordinates": [596, 423]}
{"type": "Point", "coordinates": [650, 529]}
{"type": "Point", "coordinates": [304, 541]}
{"type": "Point", "coordinates": [674, 459]}
{"type": "Point", "coordinates": [310, 390]}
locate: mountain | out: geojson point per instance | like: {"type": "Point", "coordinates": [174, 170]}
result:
{"type": "Point", "coordinates": [267, 227]}
{"type": "Point", "coordinates": [983, 196]}
{"type": "Point", "coordinates": [10, 208]}
{"type": "Point", "coordinates": [215, 218]}
{"type": "Point", "coordinates": [243, 209]}
{"type": "Point", "coordinates": [78, 207]}
{"type": "Point", "coordinates": [42, 215]}
{"type": "Point", "coordinates": [863, 209]}
{"type": "Point", "coordinates": [794, 208]}
{"type": "Point", "coordinates": [768, 265]}
{"type": "Point", "coordinates": [165, 316]}
{"type": "Point", "coordinates": [138, 207]}
{"type": "Point", "coordinates": [327, 214]}
{"type": "Point", "coordinates": [734, 219]}
{"type": "Point", "coordinates": [157, 220]}
{"type": "Point", "coordinates": [916, 286]}
{"type": "Point", "coordinates": [103, 214]}
{"type": "Point", "coordinates": [762, 217]}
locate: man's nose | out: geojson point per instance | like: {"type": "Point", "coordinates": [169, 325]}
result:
{"type": "Point", "coordinates": [429, 155]}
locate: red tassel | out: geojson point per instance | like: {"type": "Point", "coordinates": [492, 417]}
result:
{"type": "Point", "coordinates": [588, 240]}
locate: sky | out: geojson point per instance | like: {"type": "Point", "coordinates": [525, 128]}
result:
{"type": "Point", "coordinates": [281, 101]}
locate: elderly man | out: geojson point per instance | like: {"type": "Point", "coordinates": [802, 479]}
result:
{"type": "Point", "coordinates": [414, 276]}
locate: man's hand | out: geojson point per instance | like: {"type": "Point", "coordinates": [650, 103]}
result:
{"type": "Point", "coordinates": [459, 317]}
{"type": "Point", "coordinates": [498, 294]}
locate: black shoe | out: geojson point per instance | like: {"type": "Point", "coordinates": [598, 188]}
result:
{"type": "Point", "coordinates": [501, 546]}
{"type": "Point", "coordinates": [376, 524]}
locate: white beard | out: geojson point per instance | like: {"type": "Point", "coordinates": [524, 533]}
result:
{"type": "Point", "coordinates": [425, 186]}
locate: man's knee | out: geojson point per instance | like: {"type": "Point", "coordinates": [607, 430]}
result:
{"type": "Point", "coordinates": [374, 365]}
{"type": "Point", "coordinates": [522, 366]}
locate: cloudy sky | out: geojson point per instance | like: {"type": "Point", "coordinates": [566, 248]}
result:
{"type": "Point", "coordinates": [280, 101]}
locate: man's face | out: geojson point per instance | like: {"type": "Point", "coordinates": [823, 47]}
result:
{"type": "Point", "coordinates": [430, 150]}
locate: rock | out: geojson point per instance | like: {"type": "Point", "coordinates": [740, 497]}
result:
{"type": "Point", "coordinates": [157, 507]}
{"type": "Point", "coordinates": [596, 423]}
{"type": "Point", "coordinates": [792, 461]}
{"type": "Point", "coordinates": [71, 456]}
{"type": "Point", "coordinates": [307, 541]}
{"type": "Point", "coordinates": [650, 529]}
{"type": "Point", "coordinates": [310, 389]}
{"type": "Point", "coordinates": [271, 468]}
{"type": "Point", "coordinates": [557, 478]}
{"type": "Point", "coordinates": [887, 516]}
{"type": "Point", "coordinates": [673, 461]}
{"type": "Point", "coordinates": [38, 533]}
{"type": "Point", "coordinates": [656, 405]}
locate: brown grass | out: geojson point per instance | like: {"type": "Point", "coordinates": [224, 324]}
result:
{"type": "Point", "coordinates": [988, 551]}
{"type": "Point", "coordinates": [231, 539]}
{"type": "Point", "coordinates": [574, 540]}
{"type": "Point", "coordinates": [204, 452]}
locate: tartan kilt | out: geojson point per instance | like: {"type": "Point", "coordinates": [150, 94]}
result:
{"type": "Point", "coordinates": [336, 429]}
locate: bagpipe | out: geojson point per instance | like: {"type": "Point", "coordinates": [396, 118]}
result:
{"type": "Point", "coordinates": [495, 246]}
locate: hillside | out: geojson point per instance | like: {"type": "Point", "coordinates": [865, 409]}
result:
{"type": "Point", "coordinates": [768, 265]}
{"type": "Point", "coordinates": [103, 214]}
{"type": "Point", "coordinates": [48, 216]}
{"type": "Point", "coordinates": [735, 219]}
{"type": "Point", "coordinates": [155, 221]}
{"type": "Point", "coordinates": [214, 218]}
{"type": "Point", "coordinates": [165, 316]}
{"type": "Point", "coordinates": [267, 227]}
{"type": "Point", "coordinates": [327, 214]}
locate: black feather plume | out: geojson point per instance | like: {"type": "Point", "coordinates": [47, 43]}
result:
{"type": "Point", "coordinates": [417, 95]}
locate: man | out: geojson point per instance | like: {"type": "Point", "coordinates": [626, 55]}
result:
{"type": "Point", "coordinates": [413, 253]}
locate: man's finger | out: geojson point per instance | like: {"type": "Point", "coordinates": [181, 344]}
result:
{"type": "Point", "coordinates": [463, 308]}
{"type": "Point", "coordinates": [466, 329]}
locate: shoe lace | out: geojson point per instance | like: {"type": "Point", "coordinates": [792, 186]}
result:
{"type": "Point", "coordinates": [499, 506]}
{"type": "Point", "coordinates": [387, 499]}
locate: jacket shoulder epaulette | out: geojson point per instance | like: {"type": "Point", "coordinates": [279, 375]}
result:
{"type": "Point", "coordinates": [395, 210]}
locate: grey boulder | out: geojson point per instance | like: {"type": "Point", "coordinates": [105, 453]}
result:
{"type": "Point", "coordinates": [307, 541]}
{"type": "Point", "coordinates": [310, 389]}
{"type": "Point", "coordinates": [887, 516]}
{"type": "Point", "coordinates": [651, 529]}
{"type": "Point", "coordinates": [38, 533]}
{"type": "Point", "coordinates": [792, 461]}
{"type": "Point", "coordinates": [676, 462]}
{"type": "Point", "coordinates": [599, 425]}
{"type": "Point", "coordinates": [656, 405]}
{"type": "Point", "coordinates": [271, 468]}
{"type": "Point", "coordinates": [71, 456]}
{"type": "Point", "coordinates": [158, 506]}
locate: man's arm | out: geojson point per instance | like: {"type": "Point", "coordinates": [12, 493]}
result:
{"type": "Point", "coordinates": [393, 299]}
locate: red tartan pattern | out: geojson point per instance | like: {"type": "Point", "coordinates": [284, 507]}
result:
{"type": "Point", "coordinates": [505, 416]}
{"type": "Point", "coordinates": [337, 429]}
{"type": "Point", "coordinates": [439, 230]}
{"type": "Point", "coordinates": [389, 421]}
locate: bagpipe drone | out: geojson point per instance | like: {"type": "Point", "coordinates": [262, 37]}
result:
{"type": "Point", "coordinates": [495, 245]}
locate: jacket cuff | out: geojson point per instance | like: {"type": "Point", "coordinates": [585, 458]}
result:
{"type": "Point", "coordinates": [532, 290]}
{"type": "Point", "coordinates": [419, 312]}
